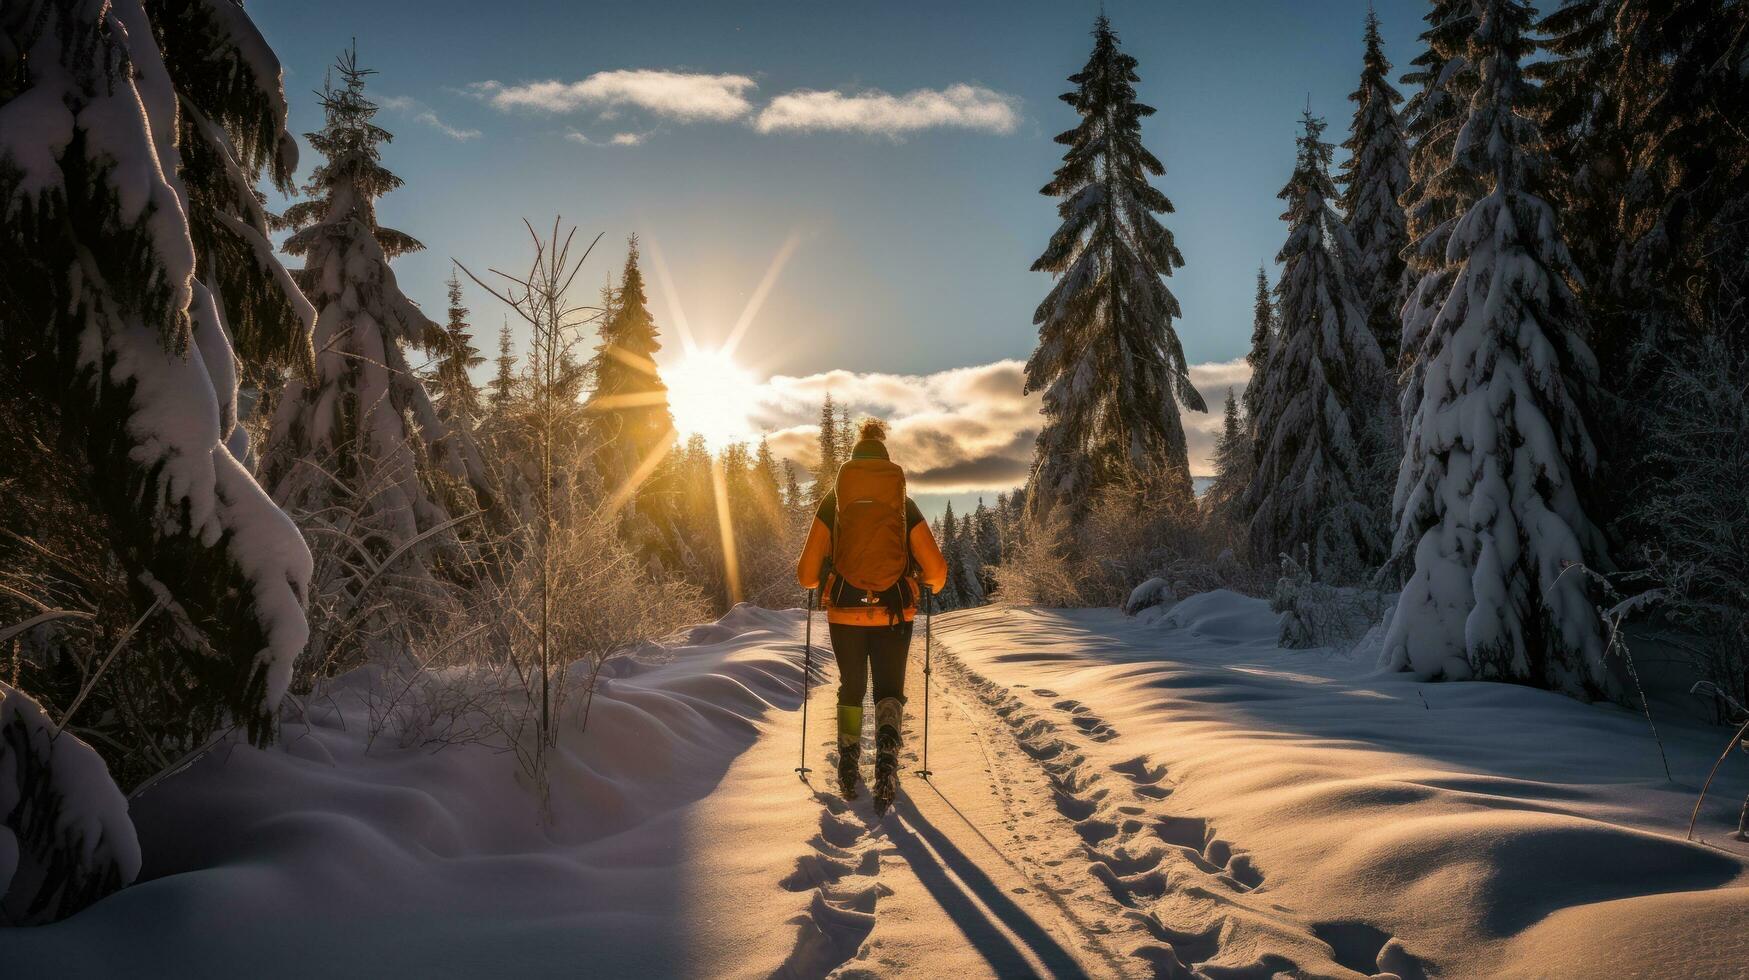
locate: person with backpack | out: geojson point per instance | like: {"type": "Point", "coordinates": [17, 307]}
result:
{"type": "Point", "coordinates": [868, 552]}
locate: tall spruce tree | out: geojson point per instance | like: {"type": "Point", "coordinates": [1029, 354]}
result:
{"type": "Point", "coordinates": [1109, 363]}
{"type": "Point", "coordinates": [504, 380]}
{"type": "Point", "coordinates": [1491, 513]}
{"type": "Point", "coordinates": [130, 369]}
{"type": "Point", "coordinates": [458, 399]}
{"type": "Point", "coordinates": [136, 269]}
{"type": "Point", "coordinates": [846, 435]}
{"type": "Point", "coordinates": [792, 490]}
{"type": "Point", "coordinates": [629, 402]}
{"type": "Point", "coordinates": [1323, 392]}
{"type": "Point", "coordinates": [1681, 93]}
{"type": "Point", "coordinates": [768, 486]}
{"type": "Point", "coordinates": [1438, 193]}
{"type": "Point", "coordinates": [1584, 129]}
{"type": "Point", "coordinates": [1263, 336]}
{"type": "Point", "coordinates": [952, 594]}
{"type": "Point", "coordinates": [987, 539]}
{"type": "Point", "coordinates": [1234, 461]}
{"type": "Point", "coordinates": [363, 436]}
{"type": "Point", "coordinates": [1578, 116]}
{"type": "Point", "coordinates": [826, 470]}
{"type": "Point", "coordinates": [1373, 178]}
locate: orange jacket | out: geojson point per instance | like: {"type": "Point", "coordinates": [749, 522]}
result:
{"type": "Point", "coordinates": [925, 553]}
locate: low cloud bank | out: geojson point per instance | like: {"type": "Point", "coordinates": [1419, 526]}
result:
{"type": "Point", "coordinates": [956, 431]}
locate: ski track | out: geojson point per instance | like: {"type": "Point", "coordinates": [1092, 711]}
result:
{"type": "Point", "coordinates": [1140, 852]}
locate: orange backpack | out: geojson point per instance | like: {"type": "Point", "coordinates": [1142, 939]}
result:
{"type": "Point", "coordinates": [871, 549]}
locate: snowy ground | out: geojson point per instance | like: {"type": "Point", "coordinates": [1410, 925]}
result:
{"type": "Point", "coordinates": [1169, 796]}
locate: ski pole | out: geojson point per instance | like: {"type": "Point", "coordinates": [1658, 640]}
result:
{"type": "Point", "coordinates": [807, 670]}
{"type": "Point", "coordinates": [928, 607]}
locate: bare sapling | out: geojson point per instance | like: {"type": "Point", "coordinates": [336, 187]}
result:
{"type": "Point", "coordinates": [541, 298]}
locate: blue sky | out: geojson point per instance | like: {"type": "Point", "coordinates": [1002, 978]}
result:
{"type": "Point", "coordinates": [911, 250]}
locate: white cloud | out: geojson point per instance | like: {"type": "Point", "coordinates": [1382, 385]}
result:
{"type": "Point", "coordinates": [617, 139]}
{"type": "Point", "coordinates": [1201, 429]}
{"type": "Point", "coordinates": [681, 96]}
{"type": "Point", "coordinates": [954, 431]}
{"type": "Point", "coordinates": [957, 106]}
{"type": "Point", "coordinates": [429, 118]}
{"type": "Point", "coordinates": [957, 431]}
{"type": "Point", "coordinates": [425, 116]}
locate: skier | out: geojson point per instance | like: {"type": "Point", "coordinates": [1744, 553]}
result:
{"type": "Point", "coordinates": [866, 552]}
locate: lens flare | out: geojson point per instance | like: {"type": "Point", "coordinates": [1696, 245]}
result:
{"type": "Point", "coordinates": [712, 396]}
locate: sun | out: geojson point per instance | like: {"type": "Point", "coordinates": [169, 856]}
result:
{"type": "Point", "coordinates": [712, 396]}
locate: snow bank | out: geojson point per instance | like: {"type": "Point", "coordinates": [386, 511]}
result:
{"type": "Point", "coordinates": [1367, 820]}
{"type": "Point", "coordinates": [332, 856]}
{"type": "Point", "coordinates": [1152, 594]}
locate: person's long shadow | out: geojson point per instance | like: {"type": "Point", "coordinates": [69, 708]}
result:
{"type": "Point", "coordinates": [920, 843]}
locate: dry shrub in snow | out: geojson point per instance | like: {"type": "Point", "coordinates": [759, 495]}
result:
{"type": "Point", "coordinates": [1317, 614]}
{"type": "Point", "coordinates": [456, 658]}
{"type": "Point", "coordinates": [1036, 569]}
{"type": "Point", "coordinates": [1138, 528]}
{"type": "Point", "coordinates": [1135, 529]}
{"type": "Point", "coordinates": [1695, 507]}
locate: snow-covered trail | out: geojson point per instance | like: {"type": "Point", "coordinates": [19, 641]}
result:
{"type": "Point", "coordinates": [1169, 795]}
{"type": "Point", "coordinates": [1041, 847]}
{"type": "Point", "coordinates": [932, 888]}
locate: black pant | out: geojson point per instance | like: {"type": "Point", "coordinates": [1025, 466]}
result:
{"type": "Point", "coordinates": [860, 648]}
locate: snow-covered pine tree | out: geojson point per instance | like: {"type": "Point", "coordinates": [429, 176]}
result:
{"type": "Point", "coordinates": [1233, 459]}
{"type": "Point", "coordinates": [129, 363]}
{"type": "Point", "coordinates": [1437, 193]}
{"type": "Point", "coordinates": [966, 564]}
{"type": "Point", "coordinates": [231, 127]}
{"type": "Point", "coordinates": [1108, 361]}
{"type": "Point", "coordinates": [987, 538]}
{"type": "Point", "coordinates": [792, 490]}
{"type": "Point", "coordinates": [629, 402]}
{"type": "Point", "coordinates": [456, 395]}
{"type": "Point", "coordinates": [1682, 93]}
{"type": "Point", "coordinates": [504, 380]}
{"type": "Point", "coordinates": [1577, 113]}
{"type": "Point", "coordinates": [1373, 177]}
{"type": "Point", "coordinates": [1323, 390]}
{"type": "Point", "coordinates": [116, 353]}
{"type": "Point", "coordinates": [846, 435]}
{"type": "Point", "coordinates": [1263, 335]}
{"type": "Point", "coordinates": [768, 486]}
{"type": "Point", "coordinates": [966, 569]}
{"type": "Point", "coordinates": [1491, 515]}
{"type": "Point", "coordinates": [826, 470]}
{"type": "Point", "coordinates": [1583, 127]}
{"type": "Point", "coordinates": [363, 437]}
{"type": "Point", "coordinates": [947, 535]}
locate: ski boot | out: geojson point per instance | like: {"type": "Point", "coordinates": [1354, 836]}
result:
{"type": "Point", "coordinates": [849, 749]}
{"type": "Point", "coordinates": [889, 715]}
